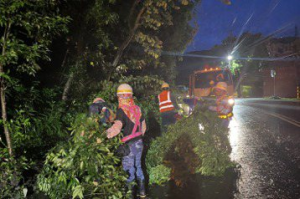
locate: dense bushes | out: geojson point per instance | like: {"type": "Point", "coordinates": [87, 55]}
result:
{"type": "Point", "coordinates": [37, 122]}
{"type": "Point", "coordinates": [85, 166]}
{"type": "Point", "coordinates": [36, 116]}
{"type": "Point", "coordinates": [11, 179]}
{"type": "Point", "coordinates": [82, 163]}
{"type": "Point", "coordinates": [209, 144]}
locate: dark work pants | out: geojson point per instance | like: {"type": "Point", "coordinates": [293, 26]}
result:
{"type": "Point", "coordinates": [168, 118]}
{"type": "Point", "coordinates": [226, 122]}
{"type": "Point", "coordinates": [132, 162]}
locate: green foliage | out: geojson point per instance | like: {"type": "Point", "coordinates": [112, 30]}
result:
{"type": "Point", "coordinates": [29, 28]}
{"type": "Point", "coordinates": [211, 146]}
{"type": "Point", "coordinates": [150, 83]}
{"type": "Point", "coordinates": [85, 166]}
{"type": "Point", "coordinates": [34, 130]}
{"type": "Point", "coordinates": [11, 178]}
{"type": "Point", "coordinates": [159, 174]}
{"type": "Point", "coordinates": [37, 121]}
{"type": "Point", "coordinates": [106, 90]}
{"type": "Point", "coordinates": [146, 28]}
{"type": "Point", "coordinates": [89, 43]}
{"type": "Point", "coordinates": [149, 106]}
{"type": "Point", "coordinates": [165, 26]}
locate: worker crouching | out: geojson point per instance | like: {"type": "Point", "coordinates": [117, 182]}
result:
{"type": "Point", "coordinates": [101, 109]}
{"type": "Point", "coordinates": [223, 103]}
{"type": "Point", "coordinates": [130, 119]}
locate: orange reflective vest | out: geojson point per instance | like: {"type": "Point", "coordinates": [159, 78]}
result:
{"type": "Point", "coordinates": [165, 103]}
{"type": "Point", "coordinates": [223, 108]}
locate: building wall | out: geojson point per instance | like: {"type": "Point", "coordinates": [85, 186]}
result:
{"type": "Point", "coordinates": [286, 82]}
{"type": "Point", "coordinates": [288, 72]}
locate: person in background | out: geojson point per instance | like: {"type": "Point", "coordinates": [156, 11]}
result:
{"type": "Point", "coordinates": [220, 78]}
{"type": "Point", "coordinates": [212, 85]}
{"type": "Point", "coordinates": [129, 118]}
{"type": "Point", "coordinates": [100, 108]}
{"type": "Point", "coordinates": [167, 106]}
{"type": "Point", "coordinates": [222, 107]}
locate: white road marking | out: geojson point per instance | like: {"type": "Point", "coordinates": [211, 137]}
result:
{"type": "Point", "coordinates": [284, 118]}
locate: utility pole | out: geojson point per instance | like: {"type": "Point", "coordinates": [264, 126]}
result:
{"type": "Point", "coordinates": [273, 74]}
{"type": "Point", "coordinates": [274, 85]}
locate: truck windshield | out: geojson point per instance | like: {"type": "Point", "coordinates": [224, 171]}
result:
{"type": "Point", "coordinates": [202, 80]}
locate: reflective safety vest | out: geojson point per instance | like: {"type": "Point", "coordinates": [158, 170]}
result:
{"type": "Point", "coordinates": [223, 108]}
{"type": "Point", "coordinates": [165, 103]}
{"type": "Point", "coordinates": [229, 115]}
{"type": "Point", "coordinates": [136, 112]}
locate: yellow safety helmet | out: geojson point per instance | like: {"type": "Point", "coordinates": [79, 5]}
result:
{"type": "Point", "coordinates": [98, 99]}
{"type": "Point", "coordinates": [221, 86]}
{"type": "Point", "coordinates": [124, 89]}
{"type": "Point", "coordinates": [165, 85]}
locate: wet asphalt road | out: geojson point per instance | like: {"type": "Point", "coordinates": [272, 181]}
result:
{"type": "Point", "coordinates": [265, 140]}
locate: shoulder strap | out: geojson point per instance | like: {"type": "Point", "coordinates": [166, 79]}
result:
{"type": "Point", "coordinates": [135, 110]}
{"type": "Point", "coordinates": [137, 115]}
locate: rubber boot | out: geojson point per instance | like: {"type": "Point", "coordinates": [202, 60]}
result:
{"type": "Point", "coordinates": [142, 189]}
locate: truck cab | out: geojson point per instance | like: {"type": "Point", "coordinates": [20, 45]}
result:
{"type": "Point", "coordinates": [202, 81]}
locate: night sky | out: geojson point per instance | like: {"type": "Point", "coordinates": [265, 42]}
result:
{"type": "Point", "coordinates": [216, 20]}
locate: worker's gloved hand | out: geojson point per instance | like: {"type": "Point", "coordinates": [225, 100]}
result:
{"type": "Point", "coordinates": [177, 116]}
{"type": "Point", "coordinates": [109, 135]}
{"type": "Point", "coordinates": [114, 129]}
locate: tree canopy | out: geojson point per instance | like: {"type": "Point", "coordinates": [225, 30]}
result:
{"type": "Point", "coordinates": [58, 55]}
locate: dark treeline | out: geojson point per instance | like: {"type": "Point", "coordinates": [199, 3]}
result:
{"type": "Point", "coordinates": [56, 56]}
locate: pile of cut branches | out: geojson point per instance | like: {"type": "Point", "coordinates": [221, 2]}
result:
{"type": "Point", "coordinates": [197, 144]}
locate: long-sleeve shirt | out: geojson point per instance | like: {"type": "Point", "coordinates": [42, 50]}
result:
{"type": "Point", "coordinates": [123, 122]}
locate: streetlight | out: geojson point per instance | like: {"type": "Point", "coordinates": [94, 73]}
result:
{"type": "Point", "coordinates": [229, 58]}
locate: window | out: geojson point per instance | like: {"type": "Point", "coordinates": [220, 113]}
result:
{"type": "Point", "coordinates": [202, 80]}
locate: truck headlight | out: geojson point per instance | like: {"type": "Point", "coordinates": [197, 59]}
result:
{"type": "Point", "coordinates": [231, 101]}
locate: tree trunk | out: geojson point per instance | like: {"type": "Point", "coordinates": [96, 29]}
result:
{"type": "Point", "coordinates": [70, 78]}
{"type": "Point", "coordinates": [67, 86]}
{"type": "Point", "coordinates": [2, 93]}
{"type": "Point", "coordinates": [132, 11]}
{"type": "Point", "coordinates": [65, 58]}
{"type": "Point", "coordinates": [79, 46]}
{"type": "Point", "coordinates": [4, 115]}
{"type": "Point", "coordinates": [126, 42]}
{"type": "Point", "coordinates": [128, 39]}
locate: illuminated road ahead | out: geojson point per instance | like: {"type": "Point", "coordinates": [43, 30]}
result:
{"type": "Point", "coordinates": [265, 140]}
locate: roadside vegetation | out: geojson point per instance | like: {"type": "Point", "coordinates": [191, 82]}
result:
{"type": "Point", "coordinates": [196, 144]}
{"type": "Point", "coordinates": [56, 57]}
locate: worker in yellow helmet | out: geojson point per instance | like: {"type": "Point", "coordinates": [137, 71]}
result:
{"type": "Point", "coordinates": [167, 106]}
{"type": "Point", "coordinates": [129, 118]}
{"type": "Point", "coordinates": [224, 104]}
{"type": "Point", "coordinates": [102, 110]}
